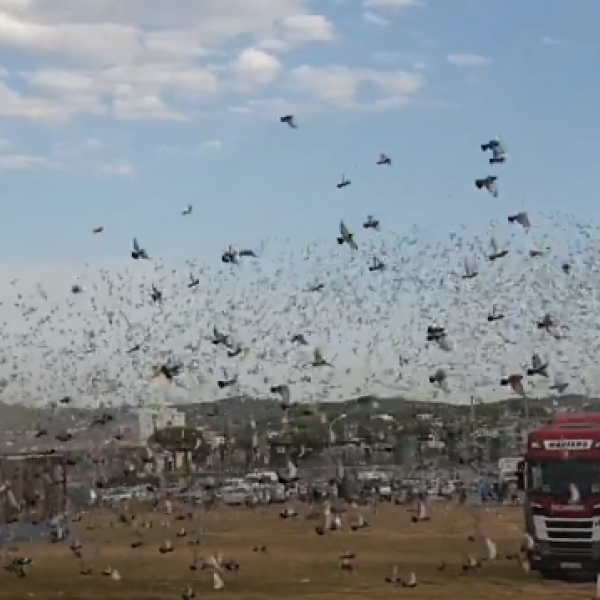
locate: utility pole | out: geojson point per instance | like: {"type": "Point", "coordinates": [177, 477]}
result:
{"type": "Point", "coordinates": [472, 419]}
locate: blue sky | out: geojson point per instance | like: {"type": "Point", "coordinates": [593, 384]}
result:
{"type": "Point", "coordinates": [522, 70]}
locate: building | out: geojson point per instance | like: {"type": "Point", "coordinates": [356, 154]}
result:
{"type": "Point", "coordinates": [151, 419]}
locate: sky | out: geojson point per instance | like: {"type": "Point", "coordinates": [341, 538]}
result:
{"type": "Point", "coordinates": [119, 114]}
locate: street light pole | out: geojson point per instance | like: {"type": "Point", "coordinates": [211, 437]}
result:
{"type": "Point", "coordinates": [330, 433]}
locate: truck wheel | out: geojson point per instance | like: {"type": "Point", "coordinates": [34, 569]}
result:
{"type": "Point", "coordinates": [550, 574]}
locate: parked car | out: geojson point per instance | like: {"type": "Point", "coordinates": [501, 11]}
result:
{"type": "Point", "coordinates": [236, 496]}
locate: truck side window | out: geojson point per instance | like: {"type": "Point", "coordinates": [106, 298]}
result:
{"type": "Point", "coordinates": [535, 477]}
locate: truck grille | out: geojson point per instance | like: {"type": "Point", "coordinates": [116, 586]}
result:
{"type": "Point", "coordinates": [570, 537]}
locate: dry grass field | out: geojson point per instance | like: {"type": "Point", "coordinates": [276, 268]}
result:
{"type": "Point", "coordinates": [297, 562]}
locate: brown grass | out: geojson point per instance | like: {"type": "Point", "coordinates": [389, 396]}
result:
{"type": "Point", "coordinates": [298, 563]}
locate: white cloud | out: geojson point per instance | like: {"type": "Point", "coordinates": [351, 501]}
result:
{"type": "Point", "coordinates": [391, 3]}
{"type": "Point", "coordinates": [256, 67]}
{"type": "Point", "coordinates": [124, 170]}
{"type": "Point", "coordinates": [214, 145]}
{"type": "Point", "coordinates": [468, 60]}
{"type": "Point", "coordinates": [145, 108]}
{"type": "Point", "coordinates": [375, 19]}
{"type": "Point", "coordinates": [92, 144]}
{"type": "Point", "coordinates": [298, 29]}
{"type": "Point", "coordinates": [19, 162]}
{"type": "Point", "coordinates": [550, 41]}
{"type": "Point", "coordinates": [340, 86]}
{"type": "Point", "coordinates": [140, 60]}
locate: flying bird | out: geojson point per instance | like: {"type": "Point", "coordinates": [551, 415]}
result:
{"type": "Point", "coordinates": [439, 378]}
{"type": "Point", "coordinates": [496, 251]}
{"type": "Point", "coordinates": [470, 268]}
{"type": "Point", "coordinates": [343, 183]}
{"type": "Point", "coordinates": [227, 381]}
{"type": "Point", "coordinates": [319, 360]}
{"type": "Point", "coordinates": [376, 265]}
{"type": "Point", "coordinates": [346, 237]}
{"type": "Point", "coordinates": [371, 223]}
{"type": "Point", "coordinates": [515, 382]}
{"type": "Point", "coordinates": [521, 218]}
{"type": "Point", "coordinates": [384, 159]}
{"type": "Point", "coordinates": [489, 183]}
{"type": "Point", "coordinates": [495, 315]}
{"type": "Point", "coordinates": [156, 294]}
{"type": "Point", "coordinates": [230, 256]}
{"type": "Point", "coordinates": [498, 149]}
{"type": "Point", "coordinates": [188, 210]}
{"type": "Point", "coordinates": [138, 253]}
{"type": "Point", "coordinates": [538, 367]}
{"type": "Point", "coordinates": [289, 120]}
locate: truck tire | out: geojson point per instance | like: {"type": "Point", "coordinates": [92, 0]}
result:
{"type": "Point", "coordinates": [551, 574]}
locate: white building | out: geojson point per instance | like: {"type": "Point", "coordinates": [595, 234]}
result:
{"type": "Point", "coordinates": [151, 419]}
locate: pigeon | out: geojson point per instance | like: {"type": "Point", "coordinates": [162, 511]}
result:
{"type": "Point", "coordinates": [498, 150]}
{"type": "Point", "coordinates": [247, 253]}
{"type": "Point", "coordinates": [219, 338]}
{"type": "Point", "coordinates": [299, 338]}
{"type": "Point", "coordinates": [138, 253]}
{"type": "Point", "coordinates": [515, 382]}
{"type": "Point", "coordinates": [538, 367]}
{"type": "Point", "coordinates": [289, 120]}
{"type": "Point", "coordinates": [435, 332]}
{"type": "Point", "coordinates": [371, 223]}
{"type": "Point", "coordinates": [227, 381]}
{"type": "Point", "coordinates": [284, 392]}
{"type": "Point", "coordinates": [489, 183]}
{"type": "Point", "coordinates": [230, 256]}
{"type": "Point", "coordinates": [470, 269]}
{"type": "Point", "coordinates": [343, 183]}
{"type": "Point", "coordinates": [168, 371]}
{"type": "Point", "coordinates": [495, 315]}
{"type": "Point", "coordinates": [318, 286]}
{"type": "Point", "coordinates": [439, 378]}
{"type": "Point", "coordinates": [496, 251]}
{"type": "Point", "coordinates": [521, 218]}
{"type": "Point", "coordinates": [376, 265]}
{"type": "Point", "coordinates": [156, 294]}
{"type": "Point", "coordinates": [318, 360]}
{"type": "Point", "coordinates": [384, 159]}
{"type": "Point", "coordinates": [346, 237]}
{"type": "Point", "coordinates": [559, 386]}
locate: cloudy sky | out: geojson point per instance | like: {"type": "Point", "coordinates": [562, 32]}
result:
{"type": "Point", "coordinates": [120, 114]}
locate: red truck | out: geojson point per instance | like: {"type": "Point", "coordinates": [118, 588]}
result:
{"type": "Point", "coordinates": [560, 475]}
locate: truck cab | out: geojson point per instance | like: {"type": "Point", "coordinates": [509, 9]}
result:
{"type": "Point", "coordinates": [560, 477]}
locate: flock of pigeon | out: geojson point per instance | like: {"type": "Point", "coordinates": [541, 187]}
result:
{"type": "Point", "coordinates": [405, 314]}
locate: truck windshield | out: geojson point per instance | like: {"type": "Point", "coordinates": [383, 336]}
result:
{"type": "Point", "coordinates": [555, 477]}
